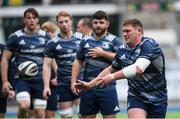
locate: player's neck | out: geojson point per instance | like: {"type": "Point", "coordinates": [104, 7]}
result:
{"type": "Point", "coordinates": [29, 31]}
{"type": "Point", "coordinates": [100, 36]}
{"type": "Point", "coordinates": [67, 35]}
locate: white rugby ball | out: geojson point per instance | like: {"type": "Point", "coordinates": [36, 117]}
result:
{"type": "Point", "coordinates": [27, 70]}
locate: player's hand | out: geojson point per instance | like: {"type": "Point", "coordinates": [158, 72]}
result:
{"type": "Point", "coordinates": [104, 81]}
{"type": "Point", "coordinates": [74, 89]}
{"type": "Point", "coordinates": [96, 52]}
{"type": "Point", "coordinates": [54, 81]}
{"type": "Point", "coordinates": [82, 85]}
{"type": "Point", "coordinates": [11, 94]}
{"type": "Point", "coordinates": [46, 92]}
{"type": "Point", "coordinates": [6, 88]}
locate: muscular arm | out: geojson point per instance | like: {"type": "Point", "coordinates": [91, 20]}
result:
{"type": "Point", "coordinates": [99, 52]}
{"type": "Point", "coordinates": [4, 70]}
{"type": "Point", "coordinates": [75, 72]}
{"type": "Point", "coordinates": [47, 71]}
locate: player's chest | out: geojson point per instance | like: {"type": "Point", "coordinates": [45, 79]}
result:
{"type": "Point", "coordinates": [31, 42]}
{"type": "Point", "coordinates": [66, 47]}
{"type": "Point", "coordinates": [105, 45]}
{"type": "Point", "coordinates": [129, 56]}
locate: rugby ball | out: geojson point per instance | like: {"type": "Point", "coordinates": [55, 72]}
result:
{"type": "Point", "coordinates": [27, 70]}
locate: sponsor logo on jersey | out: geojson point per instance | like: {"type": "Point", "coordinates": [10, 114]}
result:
{"type": "Point", "coordinates": [116, 108]}
{"type": "Point", "coordinates": [58, 47]}
{"type": "Point", "coordinates": [123, 57]}
{"type": "Point", "coordinates": [22, 42]}
{"type": "Point", "coordinates": [87, 45]}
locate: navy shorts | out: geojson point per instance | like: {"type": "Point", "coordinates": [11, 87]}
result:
{"type": "Point", "coordinates": [103, 100]}
{"type": "Point", "coordinates": [51, 102]}
{"type": "Point", "coordinates": [35, 89]}
{"type": "Point", "coordinates": [65, 93]}
{"type": "Point", "coordinates": [3, 105]}
{"type": "Point", "coordinates": [153, 111]}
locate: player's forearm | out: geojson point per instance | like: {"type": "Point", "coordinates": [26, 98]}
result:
{"type": "Point", "coordinates": [47, 71]}
{"type": "Point", "coordinates": [4, 69]}
{"type": "Point", "coordinates": [46, 75]}
{"type": "Point", "coordinates": [105, 71]}
{"type": "Point", "coordinates": [75, 70]}
{"type": "Point", "coordinates": [108, 55]}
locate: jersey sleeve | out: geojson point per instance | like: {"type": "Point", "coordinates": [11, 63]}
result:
{"type": "Point", "coordinates": [148, 50]}
{"type": "Point", "coordinates": [116, 63]}
{"type": "Point", "coordinates": [116, 43]}
{"type": "Point", "coordinates": [49, 50]}
{"type": "Point", "coordinates": [80, 51]}
{"type": "Point", "coordinates": [12, 43]}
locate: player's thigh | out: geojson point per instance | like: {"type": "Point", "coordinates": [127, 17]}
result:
{"type": "Point", "coordinates": [157, 111]}
{"type": "Point", "coordinates": [3, 105]}
{"type": "Point", "coordinates": [136, 108]}
{"type": "Point", "coordinates": [88, 103]}
{"type": "Point", "coordinates": [65, 94]}
{"type": "Point", "coordinates": [108, 102]}
{"type": "Point", "coordinates": [52, 101]}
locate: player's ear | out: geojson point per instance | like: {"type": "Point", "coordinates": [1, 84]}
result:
{"type": "Point", "coordinates": [140, 30]}
{"type": "Point", "coordinates": [108, 23]}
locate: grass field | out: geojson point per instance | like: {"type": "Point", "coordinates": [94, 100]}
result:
{"type": "Point", "coordinates": [121, 115]}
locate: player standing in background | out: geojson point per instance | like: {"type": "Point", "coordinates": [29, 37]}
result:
{"type": "Point", "coordinates": [97, 51]}
{"type": "Point", "coordinates": [63, 48]}
{"type": "Point", "coordinates": [84, 26]}
{"type": "Point", "coordinates": [51, 107]}
{"type": "Point", "coordinates": [26, 44]}
{"type": "Point", "coordinates": [142, 63]}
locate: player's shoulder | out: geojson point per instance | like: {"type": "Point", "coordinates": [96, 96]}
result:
{"type": "Point", "coordinates": [42, 33]}
{"type": "Point", "coordinates": [149, 41]}
{"type": "Point", "coordinates": [110, 37]}
{"type": "Point", "coordinates": [17, 33]}
{"type": "Point", "coordinates": [78, 35]}
{"type": "Point", "coordinates": [55, 39]}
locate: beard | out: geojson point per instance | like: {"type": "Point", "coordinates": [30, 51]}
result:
{"type": "Point", "coordinates": [99, 32]}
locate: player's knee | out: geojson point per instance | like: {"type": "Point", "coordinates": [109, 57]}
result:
{"type": "Point", "coordinates": [23, 99]}
{"type": "Point", "coordinates": [76, 109]}
{"type": "Point", "coordinates": [40, 104]}
{"type": "Point", "coordinates": [66, 113]}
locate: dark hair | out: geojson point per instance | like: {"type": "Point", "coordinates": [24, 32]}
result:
{"type": "Point", "coordinates": [101, 15]}
{"type": "Point", "coordinates": [33, 11]}
{"type": "Point", "coordinates": [133, 22]}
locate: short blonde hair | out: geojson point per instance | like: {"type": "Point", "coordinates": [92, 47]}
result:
{"type": "Point", "coordinates": [49, 27]}
{"type": "Point", "coordinates": [64, 14]}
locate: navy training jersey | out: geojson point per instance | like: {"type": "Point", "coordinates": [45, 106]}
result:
{"type": "Point", "coordinates": [151, 85]}
{"type": "Point", "coordinates": [93, 66]}
{"type": "Point", "coordinates": [64, 52]}
{"type": "Point", "coordinates": [28, 48]}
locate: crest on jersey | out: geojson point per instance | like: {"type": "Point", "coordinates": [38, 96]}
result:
{"type": "Point", "coordinates": [58, 47]}
{"type": "Point", "coordinates": [105, 45]}
{"type": "Point", "coordinates": [42, 41]}
{"type": "Point", "coordinates": [22, 42]}
{"type": "Point", "coordinates": [137, 52]}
